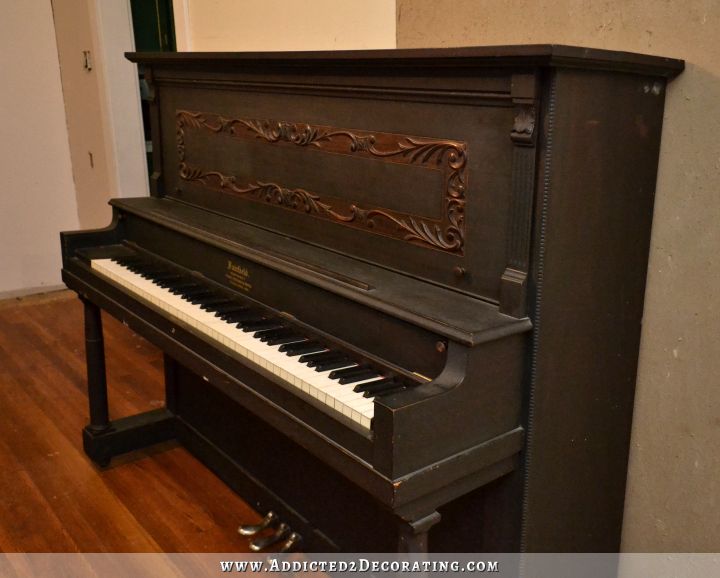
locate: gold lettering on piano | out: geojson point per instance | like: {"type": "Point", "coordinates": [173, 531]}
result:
{"type": "Point", "coordinates": [238, 276]}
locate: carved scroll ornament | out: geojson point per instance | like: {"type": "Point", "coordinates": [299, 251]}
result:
{"type": "Point", "coordinates": [450, 157]}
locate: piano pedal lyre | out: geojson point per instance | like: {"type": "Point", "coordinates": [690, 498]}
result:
{"type": "Point", "coordinates": [283, 532]}
{"type": "Point", "coordinates": [269, 521]}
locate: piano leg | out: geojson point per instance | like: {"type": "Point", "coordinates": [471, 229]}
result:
{"type": "Point", "coordinates": [103, 439]}
{"type": "Point", "coordinates": [171, 377]}
{"type": "Point", "coordinates": [95, 357]}
{"type": "Point", "coordinates": [414, 535]}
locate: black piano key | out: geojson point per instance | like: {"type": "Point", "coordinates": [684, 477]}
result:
{"type": "Point", "coordinates": [253, 326]}
{"type": "Point", "coordinates": [367, 374]}
{"type": "Point", "coordinates": [229, 308]}
{"type": "Point", "coordinates": [210, 306]}
{"type": "Point", "coordinates": [279, 334]}
{"type": "Point", "coordinates": [167, 274]}
{"type": "Point", "coordinates": [304, 348]}
{"type": "Point", "coordinates": [128, 264]}
{"type": "Point", "coordinates": [202, 298]}
{"type": "Point", "coordinates": [376, 390]}
{"type": "Point", "coordinates": [192, 293]}
{"type": "Point", "coordinates": [291, 338]}
{"type": "Point", "coordinates": [265, 335]}
{"type": "Point", "coordinates": [240, 313]}
{"type": "Point", "coordinates": [314, 358]}
{"type": "Point", "coordinates": [349, 371]}
{"type": "Point", "coordinates": [385, 392]}
{"type": "Point", "coordinates": [330, 364]}
{"type": "Point", "coordinates": [170, 282]}
{"type": "Point", "coordinates": [193, 289]}
{"type": "Point", "coordinates": [133, 266]}
{"type": "Point", "coordinates": [237, 316]}
{"type": "Point", "coordinates": [374, 385]}
{"type": "Point", "coordinates": [149, 270]}
{"type": "Point", "coordinates": [295, 346]}
{"type": "Point", "coordinates": [182, 287]}
{"type": "Point", "coordinates": [127, 260]}
{"type": "Point", "coordinates": [151, 275]}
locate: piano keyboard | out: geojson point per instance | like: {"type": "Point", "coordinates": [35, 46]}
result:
{"type": "Point", "coordinates": [335, 380]}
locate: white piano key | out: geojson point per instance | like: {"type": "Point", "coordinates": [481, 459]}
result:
{"type": "Point", "coordinates": [340, 397]}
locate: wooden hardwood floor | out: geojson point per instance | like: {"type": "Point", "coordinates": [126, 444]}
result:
{"type": "Point", "coordinates": [52, 497]}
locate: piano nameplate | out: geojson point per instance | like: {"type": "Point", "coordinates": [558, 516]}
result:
{"type": "Point", "coordinates": [237, 276]}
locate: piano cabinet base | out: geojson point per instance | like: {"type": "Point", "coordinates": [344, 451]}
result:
{"type": "Point", "coordinates": [128, 434]}
{"type": "Point", "coordinates": [272, 472]}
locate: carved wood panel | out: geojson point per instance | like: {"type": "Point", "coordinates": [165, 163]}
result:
{"type": "Point", "coordinates": [448, 156]}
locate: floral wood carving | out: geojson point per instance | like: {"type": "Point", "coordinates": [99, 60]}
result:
{"type": "Point", "coordinates": [450, 157]}
{"type": "Point", "coordinates": [524, 126]}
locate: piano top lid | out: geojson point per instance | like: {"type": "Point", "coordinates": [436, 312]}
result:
{"type": "Point", "coordinates": [556, 55]}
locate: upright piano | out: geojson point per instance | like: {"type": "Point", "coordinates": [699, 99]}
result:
{"type": "Point", "coordinates": [399, 292]}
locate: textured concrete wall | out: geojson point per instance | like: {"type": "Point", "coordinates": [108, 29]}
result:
{"type": "Point", "coordinates": [673, 495]}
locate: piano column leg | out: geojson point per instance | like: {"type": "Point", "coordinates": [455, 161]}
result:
{"type": "Point", "coordinates": [414, 535]}
{"type": "Point", "coordinates": [171, 377]}
{"type": "Point", "coordinates": [97, 382]}
{"type": "Point", "coordinates": [103, 439]}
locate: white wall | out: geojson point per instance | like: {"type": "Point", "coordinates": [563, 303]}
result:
{"type": "Point", "coordinates": [37, 194]}
{"type": "Point", "coordinates": [264, 25]}
{"type": "Point", "coordinates": [115, 37]}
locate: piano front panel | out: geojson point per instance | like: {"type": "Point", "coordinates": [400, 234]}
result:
{"type": "Point", "coordinates": [335, 170]}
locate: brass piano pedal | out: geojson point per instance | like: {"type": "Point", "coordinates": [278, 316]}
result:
{"type": "Point", "coordinates": [292, 544]}
{"type": "Point", "coordinates": [283, 532]}
{"type": "Point", "coordinates": [269, 521]}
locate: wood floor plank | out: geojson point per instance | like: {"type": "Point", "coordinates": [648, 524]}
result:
{"type": "Point", "coordinates": [28, 522]}
{"type": "Point", "coordinates": [178, 515]}
{"type": "Point", "coordinates": [158, 499]}
{"type": "Point", "coordinates": [95, 518]}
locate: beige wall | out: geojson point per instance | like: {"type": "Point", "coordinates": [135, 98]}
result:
{"type": "Point", "coordinates": [261, 25]}
{"type": "Point", "coordinates": [37, 195]}
{"type": "Point", "coordinates": [673, 497]}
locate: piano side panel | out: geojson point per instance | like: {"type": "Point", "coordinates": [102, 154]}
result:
{"type": "Point", "coordinates": [412, 431]}
{"type": "Point", "coordinates": [595, 217]}
{"type": "Point", "coordinates": [415, 193]}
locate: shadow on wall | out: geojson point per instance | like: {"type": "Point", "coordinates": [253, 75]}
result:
{"type": "Point", "coordinates": [673, 492]}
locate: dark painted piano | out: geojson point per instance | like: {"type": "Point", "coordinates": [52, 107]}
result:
{"type": "Point", "coordinates": [392, 287]}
